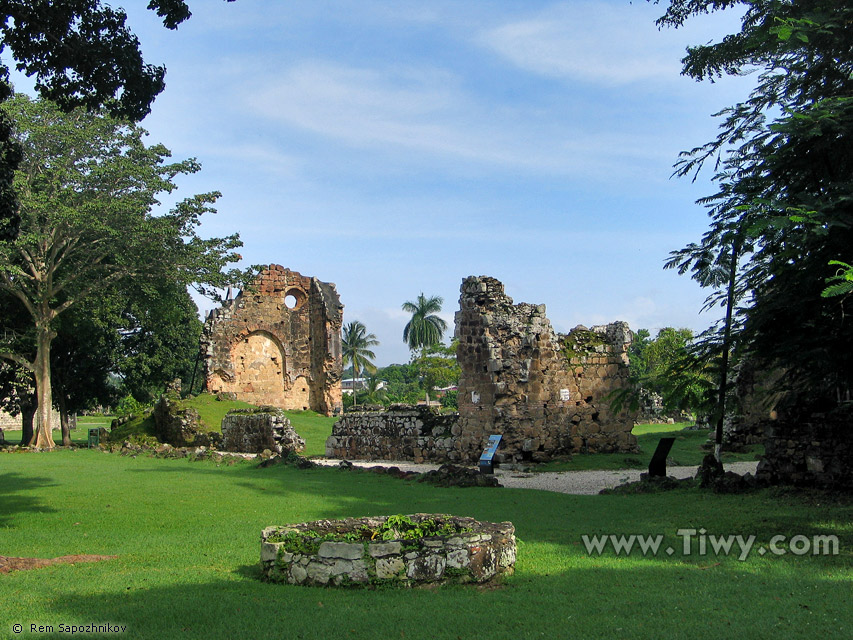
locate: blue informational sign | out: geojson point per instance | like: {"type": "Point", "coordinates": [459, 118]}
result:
{"type": "Point", "coordinates": [486, 460]}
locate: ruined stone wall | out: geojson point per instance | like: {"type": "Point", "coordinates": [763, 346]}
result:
{"type": "Point", "coordinates": [817, 451]}
{"type": "Point", "coordinates": [7, 421]}
{"type": "Point", "coordinates": [255, 431]}
{"type": "Point", "coordinates": [399, 433]}
{"type": "Point", "coordinates": [278, 343]}
{"type": "Point", "coordinates": [544, 392]}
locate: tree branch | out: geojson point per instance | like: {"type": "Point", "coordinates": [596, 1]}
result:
{"type": "Point", "coordinates": [14, 357]}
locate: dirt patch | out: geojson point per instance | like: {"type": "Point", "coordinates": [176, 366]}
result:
{"type": "Point", "coordinates": [8, 564]}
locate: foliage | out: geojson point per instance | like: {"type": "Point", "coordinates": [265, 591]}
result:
{"type": "Point", "coordinates": [160, 331]}
{"type": "Point", "coordinates": [782, 213]}
{"type": "Point", "coordinates": [425, 328]}
{"type": "Point", "coordinates": [83, 355]}
{"type": "Point", "coordinates": [841, 283]}
{"type": "Point", "coordinates": [128, 406]}
{"type": "Point", "coordinates": [374, 391]}
{"type": "Point", "coordinates": [450, 399]}
{"type": "Point", "coordinates": [669, 366]}
{"type": "Point", "coordinates": [581, 343]}
{"type": "Point", "coordinates": [437, 367]}
{"type": "Point", "coordinates": [356, 343]}
{"type": "Point", "coordinates": [395, 527]}
{"type": "Point", "coordinates": [86, 186]}
{"type": "Point", "coordinates": [81, 54]}
{"type": "Point", "coordinates": [403, 383]}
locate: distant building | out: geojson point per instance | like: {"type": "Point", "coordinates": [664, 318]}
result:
{"type": "Point", "coordinates": [359, 384]}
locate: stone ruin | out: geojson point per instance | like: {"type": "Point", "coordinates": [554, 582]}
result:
{"type": "Point", "coordinates": [278, 343]}
{"type": "Point", "coordinates": [302, 554]}
{"type": "Point", "coordinates": [400, 432]}
{"type": "Point", "coordinates": [254, 430]}
{"type": "Point", "coordinates": [546, 393]}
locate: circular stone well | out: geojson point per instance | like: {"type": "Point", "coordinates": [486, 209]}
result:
{"type": "Point", "coordinates": [378, 550]}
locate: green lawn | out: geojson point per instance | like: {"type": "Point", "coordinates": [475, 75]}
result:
{"type": "Point", "coordinates": [686, 450]}
{"type": "Point", "coordinates": [79, 436]}
{"type": "Point", "coordinates": [187, 539]}
{"type": "Point", "coordinates": [314, 427]}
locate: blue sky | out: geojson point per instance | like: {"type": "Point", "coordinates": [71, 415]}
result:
{"type": "Point", "coordinates": [397, 147]}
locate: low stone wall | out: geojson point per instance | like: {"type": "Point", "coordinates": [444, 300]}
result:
{"type": "Point", "coordinates": [254, 431]}
{"type": "Point", "coordinates": [398, 433]}
{"type": "Point", "coordinates": [478, 552]}
{"type": "Point", "coordinates": [814, 452]}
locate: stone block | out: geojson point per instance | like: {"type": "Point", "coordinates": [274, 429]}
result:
{"type": "Point", "coordinates": [344, 550]}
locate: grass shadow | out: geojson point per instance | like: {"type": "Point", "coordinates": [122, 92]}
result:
{"type": "Point", "coordinates": [14, 501]}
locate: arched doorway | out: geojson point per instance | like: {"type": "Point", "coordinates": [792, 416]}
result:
{"type": "Point", "coordinates": [259, 368]}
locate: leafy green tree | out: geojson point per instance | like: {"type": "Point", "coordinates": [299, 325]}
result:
{"type": "Point", "coordinates": [437, 367]}
{"type": "Point", "coordinates": [86, 186]}
{"type": "Point", "coordinates": [356, 343]}
{"type": "Point", "coordinates": [403, 383]}
{"type": "Point", "coordinates": [375, 391]}
{"type": "Point", "coordinates": [425, 329]}
{"type": "Point", "coordinates": [82, 356]}
{"type": "Point", "coordinates": [160, 331]}
{"type": "Point", "coordinates": [639, 365]}
{"type": "Point", "coordinates": [782, 213]}
{"type": "Point", "coordinates": [81, 54]}
{"type": "Point", "coordinates": [841, 283]}
{"type": "Point", "coordinates": [667, 365]}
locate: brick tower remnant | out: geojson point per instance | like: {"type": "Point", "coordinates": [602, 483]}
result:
{"type": "Point", "coordinates": [278, 343]}
{"type": "Point", "coordinates": [544, 392]}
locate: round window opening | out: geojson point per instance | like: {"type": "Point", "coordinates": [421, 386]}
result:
{"type": "Point", "coordinates": [293, 299]}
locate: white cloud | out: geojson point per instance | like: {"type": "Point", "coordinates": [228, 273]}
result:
{"type": "Point", "coordinates": [602, 43]}
{"type": "Point", "coordinates": [589, 41]}
{"type": "Point", "coordinates": [425, 113]}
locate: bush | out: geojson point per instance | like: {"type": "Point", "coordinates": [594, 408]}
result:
{"type": "Point", "coordinates": [128, 406]}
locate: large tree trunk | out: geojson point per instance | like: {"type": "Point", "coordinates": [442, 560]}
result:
{"type": "Point", "coordinates": [28, 412]}
{"type": "Point", "coordinates": [727, 340]}
{"type": "Point", "coordinates": [63, 419]}
{"type": "Point", "coordinates": [43, 437]}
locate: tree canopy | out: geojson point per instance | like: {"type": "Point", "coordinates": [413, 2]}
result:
{"type": "Point", "coordinates": [356, 343]}
{"type": "Point", "coordinates": [783, 211]}
{"type": "Point", "coordinates": [86, 186]}
{"type": "Point", "coordinates": [425, 329]}
{"type": "Point", "coordinates": [81, 53]}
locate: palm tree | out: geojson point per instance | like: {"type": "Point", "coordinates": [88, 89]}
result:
{"type": "Point", "coordinates": [375, 392]}
{"type": "Point", "coordinates": [424, 329]}
{"type": "Point", "coordinates": [356, 345]}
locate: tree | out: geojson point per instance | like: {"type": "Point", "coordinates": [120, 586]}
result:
{"type": "Point", "coordinates": [668, 366]}
{"type": "Point", "coordinates": [783, 209]}
{"type": "Point", "coordinates": [437, 367]}
{"type": "Point", "coordinates": [160, 331]}
{"type": "Point", "coordinates": [86, 186]}
{"type": "Point", "coordinates": [81, 54]}
{"type": "Point", "coordinates": [82, 356]}
{"type": "Point", "coordinates": [425, 329]}
{"type": "Point", "coordinates": [356, 343]}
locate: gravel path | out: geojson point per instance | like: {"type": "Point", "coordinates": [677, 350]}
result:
{"type": "Point", "coordinates": [591, 482]}
{"type": "Point", "coordinates": [574, 482]}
